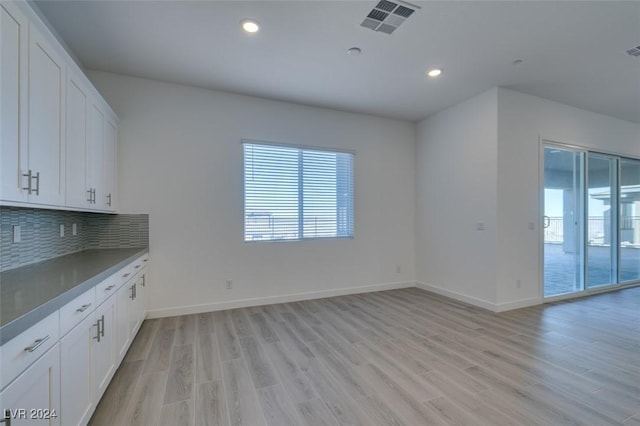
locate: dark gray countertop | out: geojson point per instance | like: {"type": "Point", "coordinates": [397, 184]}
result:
{"type": "Point", "coordinates": [30, 293]}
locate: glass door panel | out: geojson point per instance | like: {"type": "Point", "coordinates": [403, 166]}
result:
{"type": "Point", "coordinates": [563, 221]}
{"type": "Point", "coordinates": [629, 212]}
{"type": "Point", "coordinates": [602, 224]}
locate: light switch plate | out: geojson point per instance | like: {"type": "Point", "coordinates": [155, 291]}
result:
{"type": "Point", "coordinates": [61, 230]}
{"type": "Point", "coordinates": [17, 237]}
{"type": "Point", "coordinates": [74, 229]}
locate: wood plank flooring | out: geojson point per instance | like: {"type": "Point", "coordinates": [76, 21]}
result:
{"type": "Point", "coordinates": [400, 357]}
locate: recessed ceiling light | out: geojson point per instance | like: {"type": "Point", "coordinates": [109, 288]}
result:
{"type": "Point", "coordinates": [434, 72]}
{"type": "Point", "coordinates": [250, 26]}
{"type": "Point", "coordinates": [354, 51]}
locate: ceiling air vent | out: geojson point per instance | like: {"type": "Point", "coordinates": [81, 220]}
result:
{"type": "Point", "coordinates": [635, 51]}
{"type": "Point", "coordinates": [387, 15]}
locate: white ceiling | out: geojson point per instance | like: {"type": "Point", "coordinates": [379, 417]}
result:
{"type": "Point", "coordinates": [573, 52]}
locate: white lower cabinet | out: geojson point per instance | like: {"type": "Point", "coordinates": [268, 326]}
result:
{"type": "Point", "coordinates": [122, 321]}
{"type": "Point", "coordinates": [76, 372]}
{"type": "Point", "coordinates": [142, 296]}
{"type": "Point", "coordinates": [34, 397]}
{"type": "Point", "coordinates": [133, 311]}
{"type": "Point", "coordinates": [104, 361]}
{"type": "Point", "coordinates": [64, 385]}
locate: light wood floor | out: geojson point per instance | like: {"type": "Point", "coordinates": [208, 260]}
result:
{"type": "Point", "coordinates": [401, 357]}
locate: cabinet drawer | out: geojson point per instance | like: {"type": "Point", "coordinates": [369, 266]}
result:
{"type": "Point", "coordinates": [75, 311]}
{"type": "Point", "coordinates": [21, 351]}
{"type": "Point", "coordinates": [108, 287]}
{"type": "Point", "coordinates": [129, 271]}
{"type": "Point", "coordinates": [139, 264]}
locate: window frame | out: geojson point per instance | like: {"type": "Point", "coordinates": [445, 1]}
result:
{"type": "Point", "coordinates": [300, 147]}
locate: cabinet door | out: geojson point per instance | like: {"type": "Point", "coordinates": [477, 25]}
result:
{"type": "Point", "coordinates": [122, 322]}
{"type": "Point", "coordinates": [143, 292]}
{"type": "Point", "coordinates": [110, 172]}
{"type": "Point", "coordinates": [77, 190]}
{"type": "Point", "coordinates": [134, 306]}
{"type": "Point", "coordinates": [96, 147]}
{"type": "Point", "coordinates": [34, 397]}
{"type": "Point", "coordinates": [76, 371]}
{"type": "Point", "coordinates": [13, 89]}
{"type": "Point", "coordinates": [104, 364]}
{"type": "Point", "coordinates": [46, 121]}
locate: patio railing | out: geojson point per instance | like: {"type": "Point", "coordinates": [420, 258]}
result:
{"type": "Point", "coordinates": [596, 235]}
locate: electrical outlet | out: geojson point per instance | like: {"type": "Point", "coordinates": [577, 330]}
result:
{"type": "Point", "coordinates": [480, 226]}
{"type": "Point", "coordinates": [398, 269]}
{"type": "Point", "coordinates": [229, 284]}
{"type": "Point", "coordinates": [74, 229]}
{"type": "Point", "coordinates": [61, 230]}
{"type": "Point", "coordinates": [519, 283]}
{"type": "Point", "coordinates": [17, 234]}
{"type": "Point", "coordinates": [532, 226]}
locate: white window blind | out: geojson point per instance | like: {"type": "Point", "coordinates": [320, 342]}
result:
{"type": "Point", "coordinates": [293, 193]}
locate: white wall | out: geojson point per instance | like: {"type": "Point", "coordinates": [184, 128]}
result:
{"type": "Point", "coordinates": [480, 161]}
{"type": "Point", "coordinates": [522, 121]}
{"type": "Point", "coordinates": [456, 183]}
{"type": "Point", "coordinates": [180, 160]}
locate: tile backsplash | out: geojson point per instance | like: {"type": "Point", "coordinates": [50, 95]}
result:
{"type": "Point", "coordinates": [41, 240]}
{"type": "Point", "coordinates": [117, 231]}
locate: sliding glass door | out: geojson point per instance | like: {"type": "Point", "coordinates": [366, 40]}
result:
{"type": "Point", "coordinates": [602, 234]}
{"type": "Point", "coordinates": [591, 220]}
{"type": "Point", "coordinates": [629, 207]}
{"type": "Point", "coordinates": [563, 207]}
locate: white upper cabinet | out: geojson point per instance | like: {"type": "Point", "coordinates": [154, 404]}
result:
{"type": "Point", "coordinates": [58, 135]}
{"type": "Point", "coordinates": [13, 89]}
{"type": "Point", "coordinates": [96, 156]}
{"type": "Point", "coordinates": [77, 189]}
{"type": "Point", "coordinates": [46, 121]}
{"type": "Point", "coordinates": [109, 171]}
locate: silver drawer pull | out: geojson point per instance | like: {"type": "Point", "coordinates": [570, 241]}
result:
{"type": "Point", "coordinates": [138, 266]}
{"type": "Point", "coordinates": [110, 287]}
{"type": "Point", "coordinates": [36, 344]}
{"type": "Point", "coordinates": [83, 307]}
{"type": "Point", "coordinates": [126, 275]}
{"type": "Point", "coordinates": [145, 260]}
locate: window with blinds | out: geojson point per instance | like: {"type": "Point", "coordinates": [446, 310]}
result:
{"type": "Point", "coordinates": [295, 193]}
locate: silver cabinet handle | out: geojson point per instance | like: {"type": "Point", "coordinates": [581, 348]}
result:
{"type": "Point", "coordinates": [102, 328]}
{"type": "Point", "coordinates": [28, 176]}
{"type": "Point", "coordinates": [90, 197]}
{"type": "Point", "coordinates": [126, 275]}
{"type": "Point", "coordinates": [133, 292]}
{"type": "Point", "coordinates": [144, 280]}
{"type": "Point", "coordinates": [145, 260]}
{"type": "Point", "coordinates": [110, 287]}
{"type": "Point", "coordinates": [37, 178]}
{"type": "Point", "coordinates": [99, 331]}
{"type": "Point", "coordinates": [36, 344]}
{"type": "Point", "coordinates": [137, 266]}
{"type": "Point", "coordinates": [109, 199]}
{"type": "Point", "coordinates": [83, 307]}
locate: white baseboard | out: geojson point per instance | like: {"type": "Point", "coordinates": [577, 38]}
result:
{"type": "Point", "coordinates": [491, 306]}
{"type": "Point", "coordinates": [258, 301]}
{"type": "Point", "coordinates": [517, 304]}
